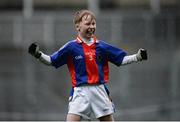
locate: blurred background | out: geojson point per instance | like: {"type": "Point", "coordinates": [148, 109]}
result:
{"type": "Point", "coordinates": [149, 90]}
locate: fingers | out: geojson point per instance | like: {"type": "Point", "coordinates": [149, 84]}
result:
{"type": "Point", "coordinates": [34, 50]}
{"type": "Point", "coordinates": [143, 53]}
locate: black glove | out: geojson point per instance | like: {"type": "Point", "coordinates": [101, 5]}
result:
{"type": "Point", "coordinates": [142, 54]}
{"type": "Point", "coordinates": [34, 50]}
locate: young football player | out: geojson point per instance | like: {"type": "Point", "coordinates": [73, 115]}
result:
{"type": "Point", "coordinates": [87, 59]}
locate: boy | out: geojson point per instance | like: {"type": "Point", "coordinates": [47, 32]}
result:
{"type": "Point", "coordinates": [87, 60]}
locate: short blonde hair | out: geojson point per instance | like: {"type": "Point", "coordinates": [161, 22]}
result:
{"type": "Point", "coordinates": [79, 15]}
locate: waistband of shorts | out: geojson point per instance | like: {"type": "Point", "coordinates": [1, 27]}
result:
{"type": "Point", "coordinates": [88, 85]}
{"type": "Point", "coordinates": [96, 84]}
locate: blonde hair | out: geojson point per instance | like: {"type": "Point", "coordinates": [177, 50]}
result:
{"type": "Point", "coordinates": [80, 14]}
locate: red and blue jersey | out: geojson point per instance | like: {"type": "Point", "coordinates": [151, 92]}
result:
{"type": "Point", "coordinates": [87, 64]}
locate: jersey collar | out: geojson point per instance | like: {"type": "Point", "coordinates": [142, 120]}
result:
{"type": "Point", "coordinates": [79, 40]}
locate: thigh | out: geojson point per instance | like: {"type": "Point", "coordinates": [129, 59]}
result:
{"type": "Point", "coordinates": [107, 118]}
{"type": "Point", "coordinates": [100, 103]}
{"type": "Point", "coordinates": [79, 104]}
{"type": "Point", "coordinates": [73, 117]}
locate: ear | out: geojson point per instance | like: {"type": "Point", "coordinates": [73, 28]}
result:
{"type": "Point", "coordinates": [77, 27]}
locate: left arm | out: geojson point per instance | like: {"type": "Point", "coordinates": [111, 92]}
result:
{"type": "Point", "coordinates": [141, 55]}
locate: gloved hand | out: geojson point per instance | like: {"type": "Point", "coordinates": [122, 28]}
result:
{"type": "Point", "coordinates": [141, 54]}
{"type": "Point", "coordinates": [34, 50]}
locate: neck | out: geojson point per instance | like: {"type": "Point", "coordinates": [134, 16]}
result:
{"type": "Point", "coordinates": [86, 40]}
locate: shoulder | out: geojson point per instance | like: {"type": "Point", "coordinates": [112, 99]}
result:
{"type": "Point", "coordinates": [102, 43]}
{"type": "Point", "coordinates": [69, 44]}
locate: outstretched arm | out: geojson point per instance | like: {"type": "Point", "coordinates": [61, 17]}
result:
{"type": "Point", "coordinates": [45, 59]}
{"type": "Point", "coordinates": [139, 56]}
{"type": "Point", "coordinates": [34, 51]}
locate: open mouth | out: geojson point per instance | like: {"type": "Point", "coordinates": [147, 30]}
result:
{"type": "Point", "coordinates": [90, 32]}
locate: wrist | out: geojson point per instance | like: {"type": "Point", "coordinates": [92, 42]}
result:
{"type": "Point", "coordinates": [138, 57]}
{"type": "Point", "coordinates": [38, 54]}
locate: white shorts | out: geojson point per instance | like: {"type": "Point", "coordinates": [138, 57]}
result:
{"type": "Point", "coordinates": [90, 99]}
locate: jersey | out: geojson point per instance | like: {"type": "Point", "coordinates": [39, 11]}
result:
{"type": "Point", "coordinates": [87, 64]}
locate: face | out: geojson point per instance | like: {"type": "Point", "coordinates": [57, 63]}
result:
{"type": "Point", "coordinates": [86, 28]}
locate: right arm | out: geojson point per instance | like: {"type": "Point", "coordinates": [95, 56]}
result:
{"type": "Point", "coordinates": [45, 59]}
{"type": "Point", "coordinates": [57, 59]}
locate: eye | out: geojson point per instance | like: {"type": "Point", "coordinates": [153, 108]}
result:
{"type": "Point", "coordinates": [93, 23]}
{"type": "Point", "coordinates": [87, 23]}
